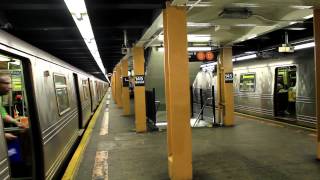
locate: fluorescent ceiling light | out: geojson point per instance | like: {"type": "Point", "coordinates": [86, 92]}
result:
{"type": "Point", "coordinates": [161, 49]}
{"type": "Point", "coordinates": [252, 36]}
{"type": "Point", "coordinates": [301, 7]}
{"type": "Point", "coordinates": [193, 37]}
{"type": "Point", "coordinates": [199, 48]}
{"type": "Point", "coordinates": [78, 10]}
{"type": "Point", "coordinates": [200, 25]}
{"type": "Point", "coordinates": [304, 46]}
{"type": "Point", "coordinates": [245, 25]}
{"type": "Point", "coordinates": [296, 28]}
{"type": "Point", "coordinates": [4, 58]}
{"type": "Point", "coordinates": [246, 5]}
{"type": "Point", "coordinates": [200, 4]}
{"type": "Point", "coordinates": [293, 22]}
{"type": "Point", "coordinates": [252, 56]}
{"type": "Point", "coordinates": [308, 17]}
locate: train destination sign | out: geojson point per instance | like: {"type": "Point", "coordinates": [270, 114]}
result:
{"type": "Point", "coordinates": [228, 77]}
{"type": "Point", "coordinates": [139, 80]}
{"type": "Point", "coordinates": [125, 81]}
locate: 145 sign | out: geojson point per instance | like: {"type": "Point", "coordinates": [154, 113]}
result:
{"type": "Point", "coordinates": [139, 80]}
{"type": "Point", "coordinates": [228, 77]}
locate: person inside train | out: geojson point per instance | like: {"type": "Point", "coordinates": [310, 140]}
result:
{"type": "Point", "coordinates": [5, 87]}
{"type": "Point", "coordinates": [291, 98]}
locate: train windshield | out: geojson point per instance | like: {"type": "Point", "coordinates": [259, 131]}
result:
{"type": "Point", "coordinates": [15, 117]}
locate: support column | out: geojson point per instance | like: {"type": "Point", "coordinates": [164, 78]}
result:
{"type": "Point", "coordinates": [113, 85]}
{"type": "Point", "coordinates": [316, 25]}
{"type": "Point", "coordinates": [118, 86]}
{"type": "Point", "coordinates": [139, 90]}
{"type": "Point", "coordinates": [177, 93]}
{"type": "Point", "coordinates": [125, 87]}
{"type": "Point", "coordinates": [225, 87]}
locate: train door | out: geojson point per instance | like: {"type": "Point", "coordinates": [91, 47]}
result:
{"type": "Point", "coordinates": [285, 92]}
{"type": "Point", "coordinates": [19, 130]}
{"type": "Point", "coordinates": [92, 94]}
{"type": "Point", "coordinates": [76, 85]}
{"type": "Point", "coordinates": [4, 164]}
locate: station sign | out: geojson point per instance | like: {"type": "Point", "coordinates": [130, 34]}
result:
{"type": "Point", "coordinates": [139, 80]}
{"type": "Point", "coordinates": [125, 81]}
{"type": "Point", "coordinates": [228, 77]}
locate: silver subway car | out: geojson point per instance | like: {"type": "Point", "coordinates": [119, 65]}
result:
{"type": "Point", "coordinates": [54, 101]}
{"type": "Point", "coordinates": [281, 87]}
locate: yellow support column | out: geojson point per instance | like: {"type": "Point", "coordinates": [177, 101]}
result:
{"type": "Point", "coordinates": [177, 93]}
{"type": "Point", "coordinates": [169, 142]}
{"type": "Point", "coordinates": [316, 25]}
{"type": "Point", "coordinates": [118, 86]}
{"type": "Point", "coordinates": [113, 86]}
{"type": "Point", "coordinates": [125, 87]}
{"type": "Point", "coordinates": [139, 90]}
{"type": "Point", "coordinates": [225, 87]}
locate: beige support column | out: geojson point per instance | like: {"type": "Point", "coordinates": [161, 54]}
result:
{"type": "Point", "coordinates": [125, 87]}
{"type": "Point", "coordinates": [177, 93]}
{"type": "Point", "coordinates": [316, 25]}
{"type": "Point", "coordinates": [225, 87]}
{"type": "Point", "coordinates": [118, 86]}
{"type": "Point", "coordinates": [139, 90]}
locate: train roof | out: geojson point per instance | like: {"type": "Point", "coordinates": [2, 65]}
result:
{"type": "Point", "coordinates": [23, 48]}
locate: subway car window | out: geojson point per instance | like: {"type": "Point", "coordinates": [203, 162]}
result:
{"type": "Point", "coordinates": [248, 82]}
{"type": "Point", "coordinates": [14, 105]}
{"type": "Point", "coordinates": [85, 89]}
{"type": "Point", "coordinates": [61, 93]}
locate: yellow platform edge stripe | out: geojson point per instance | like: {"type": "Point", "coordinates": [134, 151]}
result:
{"type": "Point", "coordinates": [75, 161]}
{"type": "Point", "coordinates": [274, 121]}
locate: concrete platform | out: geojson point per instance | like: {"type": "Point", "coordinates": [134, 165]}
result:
{"type": "Point", "coordinates": [250, 150]}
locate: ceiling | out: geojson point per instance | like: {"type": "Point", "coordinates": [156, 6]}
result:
{"type": "Point", "coordinates": [49, 26]}
{"type": "Point", "coordinates": [247, 25]}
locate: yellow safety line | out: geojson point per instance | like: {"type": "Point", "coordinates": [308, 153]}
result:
{"type": "Point", "coordinates": [74, 163]}
{"type": "Point", "coordinates": [274, 121]}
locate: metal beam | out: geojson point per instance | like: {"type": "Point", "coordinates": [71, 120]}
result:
{"type": "Point", "coordinates": [62, 28]}
{"type": "Point", "coordinates": [53, 6]}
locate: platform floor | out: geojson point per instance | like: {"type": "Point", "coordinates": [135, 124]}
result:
{"type": "Point", "coordinates": [252, 149]}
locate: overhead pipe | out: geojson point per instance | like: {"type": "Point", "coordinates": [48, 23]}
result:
{"type": "Point", "coordinates": [125, 38]}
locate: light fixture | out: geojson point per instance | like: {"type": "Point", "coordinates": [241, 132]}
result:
{"type": "Point", "coordinates": [192, 37]}
{"type": "Point", "coordinates": [245, 25]}
{"type": "Point", "coordinates": [192, 49]}
{"type": "Point", "coordinates": [304, 46]}
{"type": "Point", "coordinates": [252, 36]}
{"type": "Point", "coordinates": [199, 48]}
{"type": "Point", "coordinates": [251, 56]}
{"type": "Point", "coordinates": [308, 17]}
{"type": "Point", "coordinates": [78, 10]}
{"type": "Point", "coordinates": [4, 58]}
{"type": "Point", "coordinates": [199, 25]}
{"type": "Point", "coordinates": [301, 7]}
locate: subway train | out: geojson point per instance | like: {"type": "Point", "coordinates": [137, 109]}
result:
{"type": "Point", "coordinates": [274, 85]}
{"type": "Point", "coordinates": [53, 99]}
